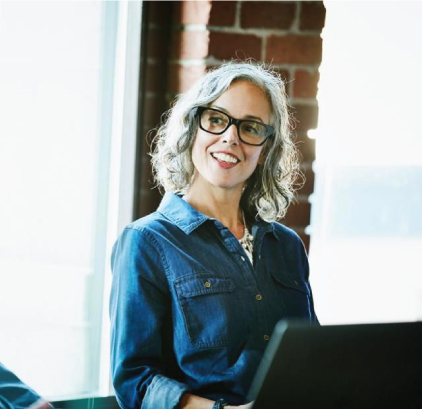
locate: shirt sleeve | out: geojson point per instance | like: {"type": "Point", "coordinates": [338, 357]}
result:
{"type": "Point", "coordinates": [305, 267]}
{"type": "Point", "coordinates": [14, 394]}
{"type": "Point", "coordinates": [139, 303]}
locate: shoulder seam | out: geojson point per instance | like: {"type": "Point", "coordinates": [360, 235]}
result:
{"type": "Point", "coordinates": [157, 245]}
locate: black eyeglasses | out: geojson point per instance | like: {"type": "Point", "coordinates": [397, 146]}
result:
{"type": "Point", "coordinates": [216, 122]}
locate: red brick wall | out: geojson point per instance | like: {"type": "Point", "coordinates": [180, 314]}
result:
{"type": "Point", "coordinates": [205, 33]}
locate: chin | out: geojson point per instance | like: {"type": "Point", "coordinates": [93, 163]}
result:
{"type": "Point", "coordinates": [228, 185]}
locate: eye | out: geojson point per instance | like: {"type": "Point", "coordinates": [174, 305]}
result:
{"type": "Point", "coordinates": [215, 120]}
{"type": "Point", "coordinates": [252, 129]}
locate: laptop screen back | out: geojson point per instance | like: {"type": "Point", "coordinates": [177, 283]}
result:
{"type": "Point", "coordinates": [341, 366]}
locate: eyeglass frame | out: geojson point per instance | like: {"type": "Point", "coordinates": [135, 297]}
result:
{"type": "Point", "coordinates": [237, 122]}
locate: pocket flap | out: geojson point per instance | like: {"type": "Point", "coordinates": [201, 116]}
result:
{"type": "Point", "coordinates": [204, 284]}
{"type": "Point", "coordinates": [291, 282]}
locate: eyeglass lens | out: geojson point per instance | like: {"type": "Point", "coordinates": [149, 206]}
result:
{"type": "Point", "coordinates": [217, 122]}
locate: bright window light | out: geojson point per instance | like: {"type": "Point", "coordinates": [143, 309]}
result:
{"type": "Point", "coordinates": [366, 228]}
{"type": "Point", "coordinates": [68, 106]}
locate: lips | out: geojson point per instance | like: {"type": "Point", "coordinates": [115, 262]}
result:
{"type": "Point", "coordinates": [225, 157]}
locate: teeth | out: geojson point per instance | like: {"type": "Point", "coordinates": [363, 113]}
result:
{"type": "Point", "coordinates": [224, 157]}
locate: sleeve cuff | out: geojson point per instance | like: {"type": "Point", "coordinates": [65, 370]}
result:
{"type": "Point", "coordinates": [163, 393]}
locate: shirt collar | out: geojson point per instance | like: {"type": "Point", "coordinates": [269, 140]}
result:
{"type": "Point", "coordinates": [181, 213]}
{"type": "Point", "coordinates": [187, 218]}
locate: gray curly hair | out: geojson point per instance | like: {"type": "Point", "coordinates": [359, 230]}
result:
{"type": "Point", "coordinates": [270, 189]}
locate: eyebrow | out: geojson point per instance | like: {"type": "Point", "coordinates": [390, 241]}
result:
{"type": "Point", "coordinates": [252, 117]}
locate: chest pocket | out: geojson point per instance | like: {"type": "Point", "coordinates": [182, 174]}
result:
{"type": "Point", "coordinates": [211, 310]}
{"type": "Point", "coordinates": [294, 294]}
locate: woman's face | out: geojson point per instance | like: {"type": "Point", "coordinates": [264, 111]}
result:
{"type": "Point", "coordinates": [224, 161]}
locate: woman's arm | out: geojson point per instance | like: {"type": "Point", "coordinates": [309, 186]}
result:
{"type": "Point", "coordinates": [139, 303]}
{"type": "Point", "coordinates": [190, 401]}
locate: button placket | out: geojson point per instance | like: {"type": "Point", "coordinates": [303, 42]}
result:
{"type": "Point", "coordinates": [250, 275]}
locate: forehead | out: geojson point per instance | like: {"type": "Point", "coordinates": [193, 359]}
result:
{"type": "Point", "coordinates": [244, 99]}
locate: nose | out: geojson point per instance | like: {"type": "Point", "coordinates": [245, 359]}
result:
{"type": "Point", "coordinates": [231, 136]}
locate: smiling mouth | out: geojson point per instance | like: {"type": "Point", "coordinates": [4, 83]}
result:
{"type": "Point", "coordinates": [224, 157]}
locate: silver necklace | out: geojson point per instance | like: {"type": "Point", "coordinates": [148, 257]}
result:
{"type": "Point", "coordinates": [247, 240]}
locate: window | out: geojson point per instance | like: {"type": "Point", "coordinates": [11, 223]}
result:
{"type": "Point", "coordinates": [69, 82]}
{"type": "Point", "coordinates": [366, 228]}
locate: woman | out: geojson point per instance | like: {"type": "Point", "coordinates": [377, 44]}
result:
{"type": "Point", "coordinates": [199, 284]}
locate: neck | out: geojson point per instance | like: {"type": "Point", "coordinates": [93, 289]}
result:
{"type": "Point", "coordinates": [219, 204]}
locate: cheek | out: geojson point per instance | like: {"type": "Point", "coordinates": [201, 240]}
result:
{"type": "Point", "coordinates": [199, 153]}
{"type": "Point", "coordinates": [196, 148]}
{"type": "Point", "coordinates": [202, 142]}
{"type": "Point", "coordinates": [255, 157]}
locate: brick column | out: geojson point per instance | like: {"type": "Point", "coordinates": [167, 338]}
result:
{"type": "Point", "coordinates": [189, 45]}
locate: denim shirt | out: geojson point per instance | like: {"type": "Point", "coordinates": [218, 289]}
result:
{"type": "Point", "coordinates": [189, 312]}
{"type": "Point", "coordinates": [14, 394]}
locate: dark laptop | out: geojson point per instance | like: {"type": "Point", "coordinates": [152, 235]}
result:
{"type": "Point", "coordinates": [368, 366]}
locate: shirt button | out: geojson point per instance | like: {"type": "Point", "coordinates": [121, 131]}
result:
{"type": "Point", "coordinates": [243, 258]}
{"type": "Point", "coordinates": [207, 284]}
{"type": "Point", "coordinates": [258, 297]}
{"type": "Point", "coordinates": [266, 337]}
